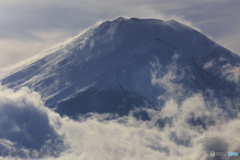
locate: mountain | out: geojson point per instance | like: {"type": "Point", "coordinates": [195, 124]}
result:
{"type": "Point", "coordinates": [124, 64]}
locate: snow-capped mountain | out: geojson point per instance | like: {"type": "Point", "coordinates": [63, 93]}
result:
{"type": "Point", "coordinates": [127, 63]}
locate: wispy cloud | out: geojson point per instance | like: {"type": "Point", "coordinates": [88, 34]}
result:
{"type": "Point", "coordinates": [187, 131]}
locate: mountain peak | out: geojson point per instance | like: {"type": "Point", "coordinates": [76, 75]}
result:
{"type": "Point", "coordinates": [120, 19]}
{"type": "Point", "coordinates": [116, 61]}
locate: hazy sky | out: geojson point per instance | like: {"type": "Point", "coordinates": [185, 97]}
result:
{"type": "Point", "coordinates": [29, 27]}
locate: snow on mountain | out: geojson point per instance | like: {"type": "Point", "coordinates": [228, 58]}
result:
{"type": "Point", "coordinates": [126, 63]}
{"type": "Point", "coordinates": [125, 89]}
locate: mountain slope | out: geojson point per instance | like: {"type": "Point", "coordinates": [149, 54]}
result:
{"type": "Point", "coordinates": [127, 63]}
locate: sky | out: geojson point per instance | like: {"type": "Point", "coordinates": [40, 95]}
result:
{"type": "Point", "coordinates": [31, 27]}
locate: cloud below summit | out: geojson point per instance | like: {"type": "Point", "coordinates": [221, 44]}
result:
{"type": "Point", "coordinates": [187, 131]}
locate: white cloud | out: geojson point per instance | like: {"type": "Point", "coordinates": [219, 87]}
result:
{"type": "Point", "coordinates": [13, 50]}
{"type": "Point", "coordinates": [179, 131]}
{"type": "Point", "coordinates": [166, 81]}
{"type": "Point", "coordinates": [228, 70]}
{"type": "Point", "coordinates": [232, 73]}
{"type": "Point", "coordinates": [24, 121]}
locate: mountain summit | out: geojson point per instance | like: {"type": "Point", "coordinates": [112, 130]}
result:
{"type": "Point", "coordinates": [129, 63]}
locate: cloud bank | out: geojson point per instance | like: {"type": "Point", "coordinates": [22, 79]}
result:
{"type": "Point", "coordinates": [189, 130]}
